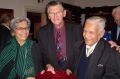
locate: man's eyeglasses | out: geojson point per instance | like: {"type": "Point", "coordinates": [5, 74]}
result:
{"type": "Point", "coordinates": [57, 13]}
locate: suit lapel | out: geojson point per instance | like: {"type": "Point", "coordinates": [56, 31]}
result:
{"type": "Point", "coordinates": [79, 50]}
{"type": "Point", "coordinates": [51, 43]}
{"type": "Point", "coordinates": [95, 57]}
{"type": "Point", "coordinates": [114, 32]}
{"type": "Point", "coordinates": [69, 42]}
{"type": "Point", "coordinates": [118, 40]}
{"type": "Point", "coordinates": [67, 31]}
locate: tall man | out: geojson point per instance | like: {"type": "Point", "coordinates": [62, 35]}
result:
{"type": "Point", "coordinates": [95, 59]}
{"type": "Point", "coordinates": [56, 40]}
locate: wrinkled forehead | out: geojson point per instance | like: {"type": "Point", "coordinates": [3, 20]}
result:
{"type": "Point", "coordinates": [89, 25]}
{"type": "Point", "coordinates": [117, 13]}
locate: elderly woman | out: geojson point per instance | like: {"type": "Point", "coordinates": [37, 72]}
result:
{"type": "Point", "coordinates": [16, 56]}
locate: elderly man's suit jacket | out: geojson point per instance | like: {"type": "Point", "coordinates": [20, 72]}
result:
{"type": "Point", "coordinates": [45, 51]}
{"type": "Point", "coordinates": [104, 62]}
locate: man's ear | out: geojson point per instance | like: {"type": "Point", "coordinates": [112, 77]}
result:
{"type": "Point", "coordinates": [64, 13]}
{"type": "Point", "coordinates": [102, 33]}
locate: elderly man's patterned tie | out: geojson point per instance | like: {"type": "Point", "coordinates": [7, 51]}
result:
{"type": "Point", "coordinates": [59, 46]}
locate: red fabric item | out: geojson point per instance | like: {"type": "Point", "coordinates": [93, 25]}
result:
{"type": "Point", "coordinates": [57, 75]}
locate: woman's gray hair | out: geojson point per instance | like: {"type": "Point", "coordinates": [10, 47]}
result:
{"type": "Point", "coordinates": [99, 21]}
{"type": "Point", "coordinates": [16, 21]}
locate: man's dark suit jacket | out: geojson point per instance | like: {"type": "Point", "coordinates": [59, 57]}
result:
{"type": "Point", "coordinates": [114, 33]}
{"type": "Point", "coordinates": [45, 51]}
{"type": "Point", "coordinates": [104, 62]}
{"type": "Point", "coordinates": [5, 36]}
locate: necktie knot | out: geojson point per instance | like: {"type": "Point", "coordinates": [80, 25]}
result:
{"type": "Point", "coordinates": [89, 51]}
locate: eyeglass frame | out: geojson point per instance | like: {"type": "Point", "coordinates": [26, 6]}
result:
{"type": "Point", "coordinates": [21, 29]}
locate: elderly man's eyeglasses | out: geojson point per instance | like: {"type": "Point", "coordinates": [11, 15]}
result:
{"type": "Point", "coordinates": [57, 13]}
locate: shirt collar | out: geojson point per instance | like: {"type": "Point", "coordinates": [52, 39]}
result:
{"type": "Point", "coordinates": [92, 47]}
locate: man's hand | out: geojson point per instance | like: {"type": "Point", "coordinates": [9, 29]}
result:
{"type": "Point", "coordinates": [114, 45]}
{"type": "Point", "coordinates": [68, 71]}
{"type": "Point", "coordinates": [118, 48]}
{"type": "Point", "coordinates": [50, 68]}
{"type": "Point", "coordinates": [43, 71]}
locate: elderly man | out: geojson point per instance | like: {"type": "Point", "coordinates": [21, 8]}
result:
{"type": "Point", "coordinates": [95, 59]}
{"type": "Point", "coordinates": [115, 31]}
{"type": "Point", "coordinates": [56, 40]}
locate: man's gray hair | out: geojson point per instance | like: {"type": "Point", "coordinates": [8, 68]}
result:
{"type": "Point", "coordinates": [98, 21]}
{"type": "Point", "coordinates": [53, 3]}
{"type": "Point", "coordinates": [16, 21]}
{"type": "Point", "coordinates": [116, 10]}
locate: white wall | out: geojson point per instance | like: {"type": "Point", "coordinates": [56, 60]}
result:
{"type": "Point", "coordinates": [20, 7]}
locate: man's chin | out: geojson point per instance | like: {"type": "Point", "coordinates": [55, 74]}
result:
{"type": "Point", "coordinates": [87, 43]}
{"type": "Point", "coordinates": [57, 23]}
